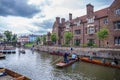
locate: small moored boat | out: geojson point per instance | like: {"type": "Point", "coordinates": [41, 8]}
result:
{"type": "Point", "coordinates": [6, 74]}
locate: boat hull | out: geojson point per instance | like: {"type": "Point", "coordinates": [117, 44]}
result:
{"type": "Point", "coordinates": [7, 74]}
{"type": "Point", "coordinates": [63, 64]}
{"type": "Point", "coordinates": [107, 64]}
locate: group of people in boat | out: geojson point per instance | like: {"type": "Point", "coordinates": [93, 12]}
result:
{"type": "Point", "coordinates": [73, 55]}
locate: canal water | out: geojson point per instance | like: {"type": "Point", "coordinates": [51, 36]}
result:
{"type": "Point", "coordinates": [39, 66]}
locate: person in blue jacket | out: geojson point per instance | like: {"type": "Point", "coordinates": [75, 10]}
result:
{"type": "Point", "coordinates": [66, 57]}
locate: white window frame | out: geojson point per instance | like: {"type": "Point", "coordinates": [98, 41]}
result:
{"type": "Point", "coordinates": [91, 30]}
{"type": "Point", "coordinates": [67, 25]}
{"type": "Point", "coordinates": [91, 20]}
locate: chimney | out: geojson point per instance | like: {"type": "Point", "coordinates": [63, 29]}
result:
{"type": "Point", "coordinates": [63, 20]}
{"type": "Point", "coordinates": [90, 10]}
{"type": "Point", "coordinates": [70, 16]}
{"type": "Point", "coordinates": [58, 20]}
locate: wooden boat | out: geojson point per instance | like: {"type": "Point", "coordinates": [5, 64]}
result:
{"type": "Point", "coordinates": [63, 64]}
{"type": "Point", "coordinates": [107, 64]}
{"type": "Point", "coordinates": [6, 74]}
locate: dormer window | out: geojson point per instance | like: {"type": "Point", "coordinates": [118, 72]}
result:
{"type": "Point", "coordinates": [77, 23]}
{"type": "Point", "coordinates": [90, 20]}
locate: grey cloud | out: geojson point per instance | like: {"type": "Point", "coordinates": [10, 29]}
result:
{"type": "Point", "coordinates": [46, 24]}
{"type": "Point", "coordinates": [17, 8]}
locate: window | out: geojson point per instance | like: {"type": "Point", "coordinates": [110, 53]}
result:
{"type": "Point", "coordinates": [106, 21]}
{"type": "Point", "coordinates": [67, 25]}
{"type": "Point", "coordinates": [77, 31]}
{"type": "Point", "coordinates": [117, 25]}
{"type": "Point", "coordinates": [91, 20]}
{"type": "Point", "coordinates": [77, 42]}
{"type": "Point", "coordinates": [117, 11]}
{"type": "Point", "coordinates": [117, 40]}
{"type": "Point", "coordinates": [77, 23]}
{"type": "Point", "coordinates": [91, 30]}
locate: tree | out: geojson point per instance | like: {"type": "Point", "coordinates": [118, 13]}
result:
{"type": "Point", "coordinates": [8, 35]}
{"type": "Point", "coordinates": [90, 43]}
{"type": "Point", "coordinates": [103, 34]}
{"type": "Point", "coordinates": [54, 37]}
{"type": "Point", "coordinates": [14, 38]}
{"type": "Point", "coordinates": [37, 40]}
{"type": "Point", "coordinates": [68, 36]}
{"type": "Point", "coordinates": [43, 39]}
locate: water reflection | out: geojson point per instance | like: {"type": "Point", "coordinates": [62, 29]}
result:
{"type": "Point", "coordinates": [38, 66]}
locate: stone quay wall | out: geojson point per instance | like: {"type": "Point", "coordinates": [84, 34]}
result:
{"type": "Point", "coordinates": [95, 52]}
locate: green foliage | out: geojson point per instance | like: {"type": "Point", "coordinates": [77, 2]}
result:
{"type": "Point", "coordinates": [76, 44]}
{"type": "Point", "coordinates": [84, 45]}
{"type": "Point", "coordinates": [68, 36]}
{"type": "Point", "coordinates": [29, 44]}
{"type": "Point", "coordinates": [43, 39]}
{"type": "Point", "coordinates": [54, 37]}
{"type": "Point", "coordinates": [65, 45]}
{"type": "Point", "coordinates": [90, 43]}
{"type": "Point", "coordinates": [14, 38]}
{"type": "Point", "coordinates": [37, 40]}
{"type": "Point", "coordinates": [8, 35]}
{"type": "Point", "coordinates": [103, 33]}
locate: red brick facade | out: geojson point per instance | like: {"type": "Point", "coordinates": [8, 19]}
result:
{"type": "Point", "coordinates": [84, 28]}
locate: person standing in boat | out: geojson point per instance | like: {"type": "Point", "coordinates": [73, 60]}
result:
{"type": "Point", "coordinates": [66, 57]}
{"type": "Point", "coordinates": [32, 48]}
{"type": "Point", "coordinates": [71, 49]}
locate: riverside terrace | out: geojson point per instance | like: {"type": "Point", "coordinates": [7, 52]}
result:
{"type": "Point", "coordinates": [99, 52]}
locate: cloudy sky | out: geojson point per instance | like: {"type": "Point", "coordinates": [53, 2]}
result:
{"type": "Point", "coordinates": [38, 16]}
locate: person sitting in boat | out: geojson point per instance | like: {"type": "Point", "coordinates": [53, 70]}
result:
{"type": "Point", "coordinates": [66, 57]}
{"type": "Point", "coordinates": [74, 56]}
{"type": "Point", "coordinates": [103, 61]}
{"type": "Point", "coordinates": [90, 57]}
{"type": "Point", "coordinates": [115, 61]}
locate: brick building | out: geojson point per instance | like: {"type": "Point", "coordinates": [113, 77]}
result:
{"type": "Point", "coordinates": [84, 28]}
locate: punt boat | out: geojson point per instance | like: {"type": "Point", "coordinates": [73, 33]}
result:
{"type": "Point", "coordinates": [6, 74]}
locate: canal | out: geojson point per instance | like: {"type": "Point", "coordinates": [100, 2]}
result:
{"type": "Point", "coordinates": [39, 66]}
